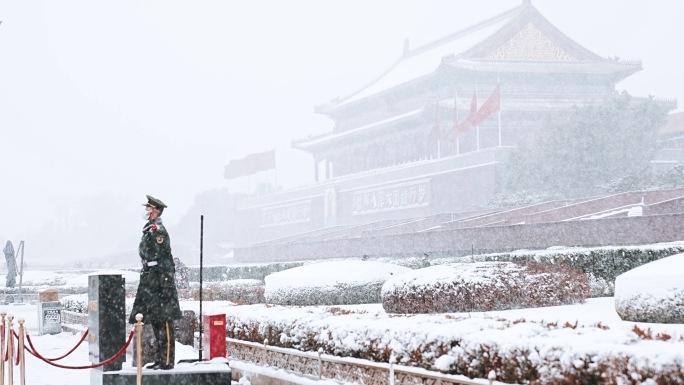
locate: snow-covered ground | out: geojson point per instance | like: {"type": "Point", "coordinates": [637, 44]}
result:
{"type": "Point", "coordinates": [593, 311]}
{"type": "Point", "coordinates": [614, 335]}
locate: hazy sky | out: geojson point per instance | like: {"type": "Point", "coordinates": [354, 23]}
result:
{"type": "Point", "coordinates": [143, 97]}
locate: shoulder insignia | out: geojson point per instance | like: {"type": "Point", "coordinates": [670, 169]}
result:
{"type": "Point", "coordinates": [160, 239]}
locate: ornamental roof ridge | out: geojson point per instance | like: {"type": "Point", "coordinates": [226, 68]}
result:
{"type": "Point", "coordinates": [511, 13]}
{"type": "Point", "coordinates": [520, 34]}
{"type": "Point", "coordinates": [530, 17]}
{"type": "Point", "coordinates": [408, 53]}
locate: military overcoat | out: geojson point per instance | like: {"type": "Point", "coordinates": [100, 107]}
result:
{"type": "Point", "coordinates": [157, 297]}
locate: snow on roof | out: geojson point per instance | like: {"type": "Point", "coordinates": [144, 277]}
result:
{"type": "Point", "coordinates": [423, 61]}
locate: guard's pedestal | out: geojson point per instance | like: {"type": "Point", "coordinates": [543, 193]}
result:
{"type": "Point", "coordinates": [49, 312]}
{"type": "Point", "coordinates": [106, 322]}
{"type": "Point", "coordinates": [215, 372]}
{"type": "Point", "coordinates": [185, 333]}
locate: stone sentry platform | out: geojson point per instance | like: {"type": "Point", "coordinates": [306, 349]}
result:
{"type": "Point", "coordinates": [214, 372]}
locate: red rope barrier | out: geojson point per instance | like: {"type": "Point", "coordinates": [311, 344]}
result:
{"type": "Point", "coordinates": [65, 355]}
{"type": "Point", "coordinates": [10, 345]}
{"type": "Point", "coordinates": [16, 360]}
{"type": "Point", "coordinates": [103, 363]}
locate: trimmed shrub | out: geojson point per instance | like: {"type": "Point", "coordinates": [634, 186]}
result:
{"type": "Point", "coordinates": [330, 283]}
{"type": "Point", "coordinates": [603, 263]}
{"type": "Point", "coordinates": [239, 291]}
{"type": "Point", "coordinates": [437, 344]}
{"type": "Point", "coordinates": [77, 303]}
{"type": "Point", "coordinates": [483, 286]}
{"type": "Point", "coordinates": [230, 273]}
{"type": "Point", "coordinates": [652, 293]}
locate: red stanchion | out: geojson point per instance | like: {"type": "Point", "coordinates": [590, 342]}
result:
{"type": "Point", "coordinates": [103, 363]}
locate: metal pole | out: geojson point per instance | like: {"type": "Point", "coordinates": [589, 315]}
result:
{"type": "Point", "coordinates": [21, 270]}
{"type": "Point", "coordinates": [20, 352]}
{"type": "Point", "coordinates": [138, 346]}
{"type": "Point", "coordinates": [498, 84]}
{"type": "Point", "coordinates": [10, 355]}
{"type": "Point", "coordinates": [2, 349]}
{"type": "Point", "coordinates": [201, 320]}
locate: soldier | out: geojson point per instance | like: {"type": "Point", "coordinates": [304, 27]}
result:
{"type": "Point", "coordinates": [157, 298]}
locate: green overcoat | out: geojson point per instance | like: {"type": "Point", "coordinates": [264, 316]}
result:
{"type": "Point", "coordinates": [157, 297]}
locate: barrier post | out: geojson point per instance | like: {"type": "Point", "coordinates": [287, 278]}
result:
{"type": "Point", "coordinates": [2, 349]}
{"type": "Point", "coordinates": [10, 352]}
{"type": "Point", "coordinates": [320, 363]}
{"type": "Point", "coordinates": [138, 345]}
{"type": "Point", "coordinates": [20, 352]}
{"type": "Point", "coordinates": [392, 361]}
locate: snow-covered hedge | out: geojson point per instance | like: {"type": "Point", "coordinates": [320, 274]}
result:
{"type": "Point", "coordinates": [653, 292]}
{"type": "Point", "coordinates": [519, 351]}
{"type": "Point", "coordinates": [483, 286]}
{"type": "Point", "coordinates": [602, 264]}
{"type": "Point", "coordinates": [77, 303]}
{"type": "Point", "coordinates": [242, 271]}
{"type": "Point", "coordinates": [330, 283]}
{"type": "Point", "coordinates": [239, 291]}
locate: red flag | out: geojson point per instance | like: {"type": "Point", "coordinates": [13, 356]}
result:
{"type": "Point", "coordinates": [490, 106]}
{"type": "Point", "coordinates": [250, 164]}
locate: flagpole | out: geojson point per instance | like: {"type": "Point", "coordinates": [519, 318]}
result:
{"type": "Point", "coordinates": [498, 84]}
{"type": "Point", "coordinates": [477, 128]}
{"type": "Point", "coordinates": [499, 126]}
{"type": "Point", "coordinates": [456, 123]}
{"type": "Point", "coordinates": [436, 126]}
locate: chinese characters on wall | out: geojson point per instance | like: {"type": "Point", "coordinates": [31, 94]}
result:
{"type": "Point", "coordinates": [287, 214]}
{"type": "Point", "coordinates": [394, 197]}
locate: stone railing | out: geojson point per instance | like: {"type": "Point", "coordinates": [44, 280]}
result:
{"type": "Point", "coordinates": [18, 298]}
{"type": "Point", "coordinates": [74, 322]}
{"type": "Point", "coordinates": [345, 370]}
